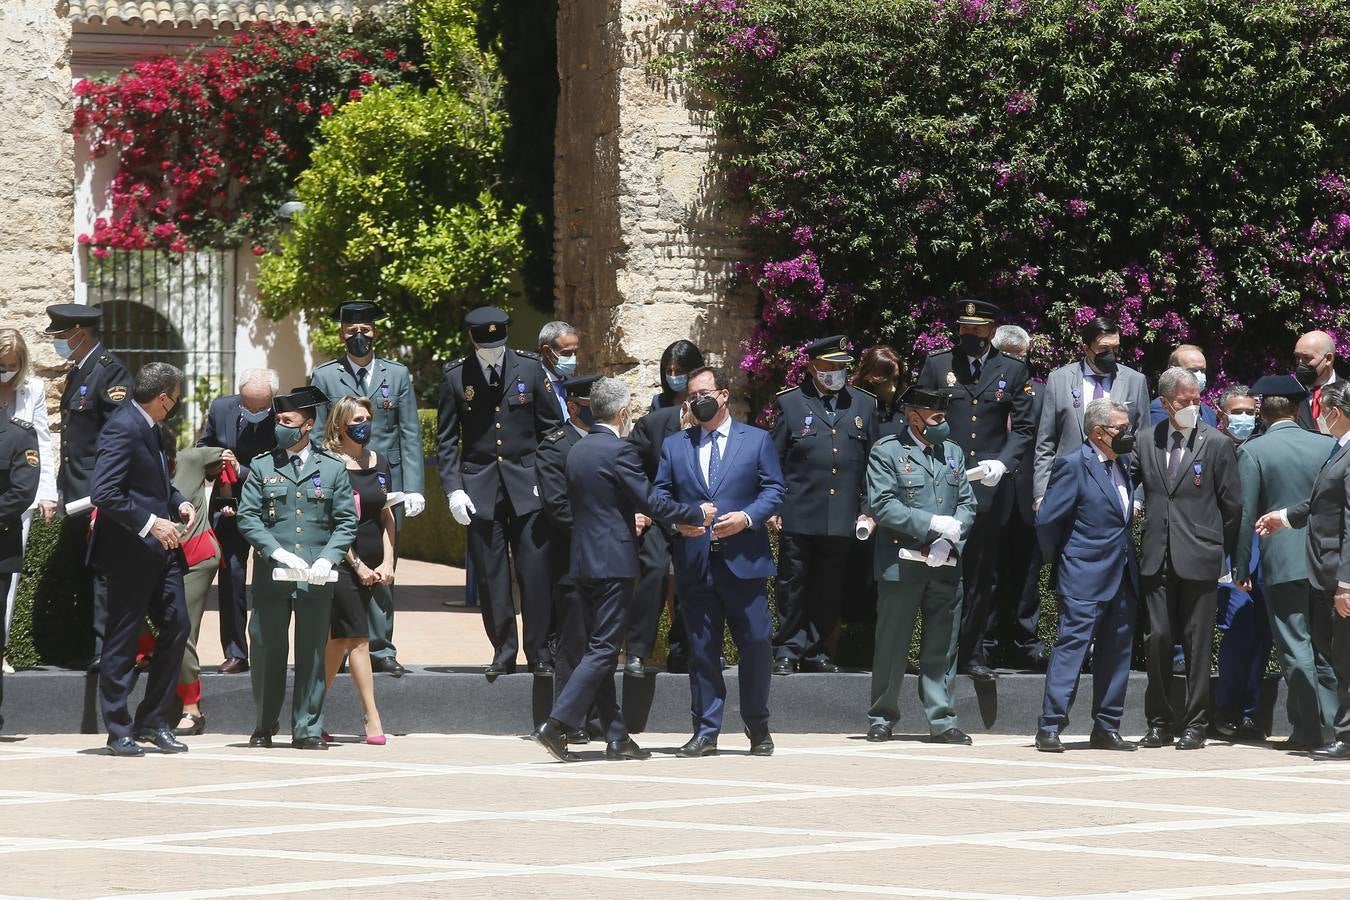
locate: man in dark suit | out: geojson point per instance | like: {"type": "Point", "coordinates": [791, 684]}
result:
{"type": "Point", "coordinates": [722, 571]}
{"type": "Point", "coordinates": [1324, 515]}
{"type": "Point", "coordinates": [96, 385]}
{"type": "Point", "coordinates": [989, 411]}
{"type": "Point", "coordinates": [1084, 524]}
{"type": "Point", "coordinates": [135, 543]}
{"type": "Point", "coordinates": [1192, 359]}
{"type": "Point", "coordinates": [1193, 508]}
{"type": "Point", "coordinates": [644, 616]}
{"type": "Point", "coordinates": [242, 423]}
{"type": "Point", "coordinates": [823, 430]}
{"type": "Point", "coordinates": [498, 403]}
{"type": "Point", "coordinates": [606, 489]}
{"type": "Point", "coordinates": [20, 468]}
{"type": "Point", "coordinates": [1315, 369]}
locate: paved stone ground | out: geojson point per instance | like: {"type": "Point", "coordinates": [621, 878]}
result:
{"type": "Point", "coordinates": [469, 816]}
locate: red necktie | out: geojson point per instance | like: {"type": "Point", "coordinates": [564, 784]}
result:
{"type": "Point", "coordinates": [1316, 403]}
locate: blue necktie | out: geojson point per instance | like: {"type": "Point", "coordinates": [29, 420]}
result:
{"type": "Point", "coordinates": [1335, 448]}
{"type": "Point", "coordinates": [714, 459]}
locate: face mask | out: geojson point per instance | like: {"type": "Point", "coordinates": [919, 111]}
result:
{"type": "Point", "coordinates": [255, 418]}
{"type": "Point", "coordinates": [972, 345]}
{"type": "Point", "coordinates": [704, 408]}
{"type": "Point", "coordinates": [491, 357]}
{"type": "Point", "coordinates": [288, 436]}
{"type": "Point", "coordinates": [1200, 378]}
{"type": "Point", "coordinates": [832, 381]}
{"type": "Point", "coordinates": [63, 348]}
{"type": "Point", "coordinates": [565, 366]}
{"type": "Point", "coordinates": [1241, 425]}
{"type": "Point", "coordinates": [677, 383]}
{"type": "Point", "coordinates": [359, 433]}
{"type": "Point", "coordinates": [936, 434]}
{"type": "Point", "coordinates": [1122, 443]}
{"type": "Point", "coordinates": [173, 409]}
{"type": "Point", "coordinates": [1322, 425]}
{"type": "Point", "coordinates": [626, 426]}
{"type": "Point", "coordinates": [7, 377]}
{"type": "Point", "coordinates": [359, 344]}
{"type": "Point", "coordinates": [584, 414]}
{"type": "Point", "coordinates": [1305, 373]}
{"type": "Point", "coordinates": [1105, 362]}
{"type": "Point", "coordinates": [1187, 417]}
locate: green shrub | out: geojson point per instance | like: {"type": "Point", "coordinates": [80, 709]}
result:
{"type": "Point", "coordinates": [53, 610]}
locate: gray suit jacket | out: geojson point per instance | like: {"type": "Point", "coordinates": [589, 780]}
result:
{"type": "Point", "coordinates": [1060, 429]}
{"type": "Point", "coordinates": [1327, 517]}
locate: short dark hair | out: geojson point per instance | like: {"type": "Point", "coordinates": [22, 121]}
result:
{"type": "Point", "coordinates": [718, 381]}
{"type": "Point", "coordinates": [154, 379]}
{"type": "Point", "coordinates": [1273, 408]}
{"type": "Point", "coordinates": [1095, 328]}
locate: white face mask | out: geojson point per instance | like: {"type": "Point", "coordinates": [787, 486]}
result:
{"type": "Point", "coordinates": [1322, 424]}
{"type": "Point", "coordinates": [6, 377]}
{"type": "Point", "coordinates": [832, 381]}
{"type": "Point", "coordinates": [1187, 417]}
{"type": "Point", "coordinates": [491, 357]}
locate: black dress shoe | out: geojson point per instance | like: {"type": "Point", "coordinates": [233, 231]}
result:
{"type": "Point", "coordinates": [1294, 745]}
{"type": "Point", "coordinates": [1334, 750]}
{"type": "Point", "coordinates": [1191, 739]}
{"type": "Point", "coordinates": [576, 736]}
{"type": "Point", "coordinates": [94, 664]}
{"type": "Point", "coordinates": [196, 724]}
{"type": "Point", "coordinates": [626, 749]}
{"type": "Point", "coordinates": [698, 746]}
{"type": "Point", "coordinates": [635, 666]}
{"type": "Point", "coordinates": [124, 746]}
{"type": "Point", "coordinates": [542, 670]}
{"type": "Point", "coordinates": [820, 664]}
{"type": "Point", "coordinates": [784, 666]}
{"type": "Point", "coordinates": [309, 743]}
{"type": "Point", "coordinates": [762, 745]}
{"type": "Point", "coordinates": [1102, 739]}
{"type": "Point", "coordinates": [389, 666]}
{"type": "Point", "coordinates": [496, 670]}
{"type": "Point", "coordinates": [677, 665]}
{"type": "Point", "coordinates": [260, 739]}
{"type": "Point", "coordinates": [1156, 736]}
{"type": "Point", "coordinates": [163, 739]}
{"type": "Point", "coordinates": [982, 673]}
{"type": "Point", "coordinates": [553, 738]}
{"type": "Point", "coordinates": [1048, 742]}
{"type": "Point", "coordinates": [233, 666]}
{"type": "Point", "coordinates": [879, 734]}
{"type": "Point", "coordinates": [951, 736]}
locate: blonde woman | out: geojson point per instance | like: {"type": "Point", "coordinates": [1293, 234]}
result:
{"type": "Point", "coordinates": [24, 396]}
{"type": "Point", "coordinates": [367, 571]}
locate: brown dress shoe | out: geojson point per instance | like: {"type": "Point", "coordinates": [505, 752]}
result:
{"type": "Point", "coordinates": [233, 666]}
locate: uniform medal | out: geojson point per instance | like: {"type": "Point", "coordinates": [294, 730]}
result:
{"type": "Point", "coordinates": [1198, 470]}
{"type": "Point", "coordinates": [998, 395]}
{"type": "Point", "coordinates": [520, 393]}
{"type": "Point", "coordinates": [382, 479]}
{"type": "Point", "coordinates": [384, 395]}
{"type": "Point", "coordinates": [84, 393]}
{"type": "Point", "coordinates": [318, 486]}
{"type": "Point", "coordinates": [806, 425]}
{"type": "Point", "coordinates": [1077, 398]}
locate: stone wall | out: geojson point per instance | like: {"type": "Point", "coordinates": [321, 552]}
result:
{"type": "Point", "coordinates": [644, 239]}
{"type": "Point", "coordinates": [36, 169]}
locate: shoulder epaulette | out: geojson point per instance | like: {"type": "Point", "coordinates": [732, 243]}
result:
{"type": "Point", "coordinates": [23, 423]}
{"type": "Point", "coordinates": [555, 435]}
{"type": "Point", "coordinates": [106, 359]}
{"type": "Point", "coordinates": [455, 364]}
{"type": "Point", "coordinates": [331, 362]}
{"type": "Point", "coordinates": [527, 354]}
{"type": "Point", "coordinates": [947, 352]}
{"type": "Point", "coordinates": [788, 390]}
{"type": "Point", "coordinates": [886, 437]}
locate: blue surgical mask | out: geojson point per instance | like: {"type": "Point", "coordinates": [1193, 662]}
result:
{"type": "Point", "coordinates": [63, 349]}
{"type": "Point", "coordinates": [254, 418]}
{"type": "Point", "coordinates": [1200, 378]}
{"type": "Point", "coordinates": [1241, 425]}
{"type": "Point", "coordinates": [359, 432]}
{"type": "Point", "coordinates": [565, 366]}
{"type": "Point", "coordinates": [288, 436]}
{"type": "Point", "coordinates": [677, 383]}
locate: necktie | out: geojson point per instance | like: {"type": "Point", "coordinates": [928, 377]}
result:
{"type": "Point", "coordinates": [714, 459]}
{"type": "Point", "coordinates": [976, 366]}
{"type": "Point", "coordinates": [361, 378]}
{"type": "Point", "coordinates": [1335, 448]}
{"type": "Point", "coordinates": [828, 400]}
{"type": "Point", "coordinates": [1174, 458]}
{"type": "Point", "coordinates": [295, 463]}
{"type": "Point", "coordinates": [1316, 403]}
{"type": "Point", "coordinates": [159, 445]}
{"type": "Point", "coordinates": [493, 379]}
{"type": "Point", "coordinates": [1098, 388]}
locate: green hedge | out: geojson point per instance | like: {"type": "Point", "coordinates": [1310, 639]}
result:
{"type": "Point", "coordinates": [54, 610]}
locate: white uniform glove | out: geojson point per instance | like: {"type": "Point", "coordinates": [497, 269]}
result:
{"type": "Point", "coordinates": [994, 470]}
{"type": "Point", "coordinates": [461, 507]}
{"type": "Point", "coordinates": [413, 504]}
{"type": "Point", "coordinates": [285, 559]}
{"type": "Point", "coordinates": [946, 526]}
{"type": "Point", "coordinates": [319, 572]}
{"type": "Point", "coordinates": [938, 552]}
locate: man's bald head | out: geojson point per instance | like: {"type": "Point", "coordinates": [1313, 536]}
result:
{"type": "Point", "coordinates": [1317, 351]}
{"type": "Point", "coordinates": [256, 389]}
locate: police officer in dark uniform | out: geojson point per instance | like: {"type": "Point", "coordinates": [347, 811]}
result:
{"type": "Point", "coordinates": [96, 385]}
{"type": "Point", "coordinates": [990, 414]}
{"type": "Point", "coordinates": [498, 404]}
{"type": "Point", "coordinates": [19, 471]}
{"type": "Point", "coordinates": [823, 431]}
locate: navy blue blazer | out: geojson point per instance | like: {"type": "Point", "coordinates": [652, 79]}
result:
{"type": "Point", "coordinates": [130, 485]}
{"type": "Point", "coordinates": [749, 479]}
{"type": "Point", "coordinates": [605, 490]}
{"type": "Point", "coordinates": [1157, 413]}
{"type": "Point", "coordinates": [225, 427]}
{"type": "Point", "coordinates": [1081, 524]}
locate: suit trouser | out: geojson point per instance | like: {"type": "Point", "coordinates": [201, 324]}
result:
{"type": "Point", "coordinates": [1178, 606]}
{"type": "Point", "coordinates": [196, 585]}
{"type": "Point", "coordinates": [137, 589]}
{"type": "Point", "coordinates": [231, 594]}
{"type": "Point", "coordinates": [644, 615]}
{"type": "Point", "coordinates": [1307, 673]}
{"type": "Point", "coordinates": [1241, 616]}
{"type": "Point", "coordinates": [1331, 637]}
{"type": "Point", "coordinates": [979, 563]}
{"type": "Point", "coordinates": [380, 607]}
{"type": "Point", "coordinates": [74, 546]}
{"type": "Point", "coordinates": [591, 684]}
{"type": "Point", "coordinates": [743, 605]}
{"type": "Point", "coordinates": [807, 593]}
{"type": "Point", "coordinates": [527, 538]}
{"type": "Point", "coordinates": [269, 631]}
{"type": "Point", "coordinates": [575, 621]}
{"type": "Point", "coordinates": [1107, 627]}
{"type": "Point", "coordinates": [937, 592]}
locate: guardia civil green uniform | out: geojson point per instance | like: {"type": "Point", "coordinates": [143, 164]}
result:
{"type": "Point", "coordinates": [906, 486]}
{"type": "Point", "coordinates": [305, 508]}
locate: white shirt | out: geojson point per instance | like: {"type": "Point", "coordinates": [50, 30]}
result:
{"type": "Point", "coordinates": [356, 368]}
{"type": "Point", "coordinates": [149, 420]}
{"type": "Point", "coordinates": [303, 455]}
{"type": "Point", "coordinates": [723, 433]}
{"type": "Point", "coordinates": [980, 359]}
{"type": "Point", "coordinates": [610, 428]}
{"type": "Point", "coordinates": [1117, 481]}
{"type": "Point", "coordinates": [556, 384]}
{"type": "Point", "coordinates": [98, 345]}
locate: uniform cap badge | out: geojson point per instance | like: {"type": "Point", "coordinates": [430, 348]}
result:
{"type": "Point", "coordinates": [970, 309]}
{"type": "Point", "coordinates": [492, 329]}
{"type": "Point", "coordinates": [468, 393]}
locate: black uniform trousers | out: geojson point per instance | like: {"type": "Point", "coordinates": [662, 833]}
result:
{"type": "Point", "coordinates": [644, 615]}
{"type": "Point", "coordinates": [1331, 638]}
{"type": "Point", "coordinates": [1178, 607]}
{"type": "Point", "coordinates": [136, 590]}
{"type": "Point", "coordinates": [233, 583]}
{"type": "Point", "coordinates": [591, 684]}
{"type": "Point", "coordinates": [807, 593]}
{"type": "Point", "coordinates": [1018, 595]}
{"type": "Point", "coordinates": [979, 575]}
{"type": "Point", "coordinates": [527, 538]}
{"type": "Point", "coordinates": [74, 546]}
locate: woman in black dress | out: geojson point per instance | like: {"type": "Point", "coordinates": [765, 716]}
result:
{"type": "Point", "coordinates": [368, 567]}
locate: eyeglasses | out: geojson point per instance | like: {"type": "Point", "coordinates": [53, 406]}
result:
{"type": "Point", "coordinates": [699, 395]}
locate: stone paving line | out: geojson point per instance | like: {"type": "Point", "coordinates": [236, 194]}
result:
{"type": "Point", "coordinates": [828, 815]}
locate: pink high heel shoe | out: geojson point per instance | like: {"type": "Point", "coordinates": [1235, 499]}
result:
{"type": "Point", "coordinates": [376, 739]}
{"type": "Point", "coordinates": [327, 738]}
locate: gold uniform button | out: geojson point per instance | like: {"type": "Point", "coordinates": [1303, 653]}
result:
{"type": "Point", "coordinates": [499, 424]}
{"type": "Point", "coordinates": [836, 449]}
{"type": "Point", "coordinates": [499, 459]}
{"type": "Point", "coordinates": [299, 495]}
{"type": "Point", "coordinates": [972, 434]}
{"type": "Point", "coordinates": [832, 431]}
{"type": "Point", "coordinates": [831, 492]}
{"type": "Point", "coordinates": [297, 529]}
{"type": "Point", "coordinates": [496, 409]}
{"type": "Point", "coordinates": [834, 471]}
{"type": "Point", "coordinates": [499, 442]}
{"type": "Point", "coordinates": [972, 418]}
{"type": "Point", "coordinates": [974, 403]}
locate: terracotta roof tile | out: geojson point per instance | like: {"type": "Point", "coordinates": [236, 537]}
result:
{"type": "Point", "coordinates": [217, 12]}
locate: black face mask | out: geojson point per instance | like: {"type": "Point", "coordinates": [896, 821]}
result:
{"type": "Point", "coordinates": [359, 344]}
{"type": "Point", "coordinates": [584, 414]}
{"type": "Point", "coordinates": [1105, 362]}
{"type": "Point", "coordinates": [1122, 443]}
{"type": "Point", "coordinates": [972, 345]}
{"type": "Point", "coordinates": [173, 410]}
{"type": "Point", "coordinates": [704, 408]}
{"type": "Point", "coordinates": [1305, 374]}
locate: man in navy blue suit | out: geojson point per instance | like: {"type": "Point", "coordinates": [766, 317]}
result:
{"type": "Point", "coordinates": [1084, 524]}
{"type": "Point", "coordinates": [242, 423]}
{"type": "Point", "coordinates": [721, 571]}
{"type": "Point", "coordinates": [606, 489]}
{"type": "Point", "coordinates": [135, 543]}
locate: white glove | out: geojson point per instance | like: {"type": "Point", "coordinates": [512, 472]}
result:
{"type": "Point", "coordinates": [938, 552]}
{"type": "Point", "coordinates": [319, 572]}
{"type": "Point", "coordinates": [994, 470]}
{"type": "Point", "coordinates": [413, 504]}
{"type": "Point", "coordinates": [461, 507]}
{"type": "Point", "coordinates": [287, 560]}
{"type": "Point", "coordinates": [946, 526]}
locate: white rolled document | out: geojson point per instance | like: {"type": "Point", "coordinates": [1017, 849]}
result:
{"type": "Point", "coordinates": [75, 507]}
{"type": "Point", "coordinates": [394, 498]}
{"type": "Point", "coordinates": [975, 474]}
{"type": "Point", "coordinates": [298, 575]}
{"type": "Point", "coordinates": [907, 555]}
{"type": "Point", "coordinates": [862, 531]}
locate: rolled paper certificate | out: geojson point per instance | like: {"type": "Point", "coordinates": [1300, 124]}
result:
{"type": "Point", "coordinates": [975, 474]}
{"type": "Point", "coordinates": [297, 575]}
{"type": "Point", "coordinates": [394, 498]}
{"type": "Point", "coordinates": [907, 555]}
{"type": "Point", "coordinates": [862, 531]}
{"type": "Point", "coordinates": [75, 507]}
